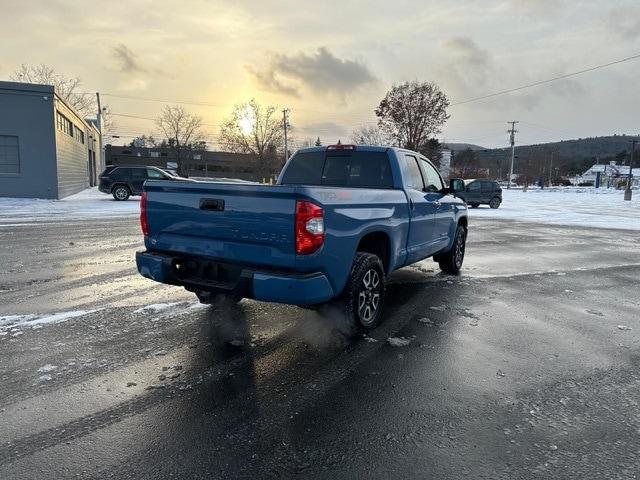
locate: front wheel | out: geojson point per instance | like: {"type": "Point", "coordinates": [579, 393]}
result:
{"type": "Point", "coordinates": [495, 202]}
{"type": "Point", "coordinates": [365, 291]}
{"type": "Point", "coordinates": [451, 261]}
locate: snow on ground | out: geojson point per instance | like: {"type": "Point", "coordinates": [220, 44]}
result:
{"type": "Point", "coordinates": [156, 307]}
{"type": "Point", "coordinates": [88, 204]}
{"type": "Point", "coordinates": [399, 341]}
{"type": "Point", "coordinates": [31, 320]}
{"type": "Point", "coordinates": [602, 208]}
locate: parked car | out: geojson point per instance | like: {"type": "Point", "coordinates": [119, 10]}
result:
{"type": "Point", "coordinates": [123, 181]}
{"type": "Point", "coordinates": [485, 192]}
{"type": "Point", "coordinates": [340, 219]}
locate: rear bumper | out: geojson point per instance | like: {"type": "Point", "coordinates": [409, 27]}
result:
{"type": "Point", "coordinates": [267, 286]}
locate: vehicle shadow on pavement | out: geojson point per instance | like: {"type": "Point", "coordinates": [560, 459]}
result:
{"type": "Point", "coordinates": [256, 397]}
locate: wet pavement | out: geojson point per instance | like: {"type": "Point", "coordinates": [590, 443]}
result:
{"type": "Point", "coordinates": [524, 366]}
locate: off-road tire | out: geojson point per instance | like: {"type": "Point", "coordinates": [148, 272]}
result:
{"type": "Point", "coordinates": [451, 262]}
{"type": "Point", "coordinates": [495, 202]}
{"type": "Point", "coordinates": [363, 296]}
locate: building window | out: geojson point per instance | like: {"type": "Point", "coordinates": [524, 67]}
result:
{"type": "Point", "coordinates": [78, 134]}
{"type": "Point", "coordinates": [9, 154]}
{"type": "Point", "coordinates": [154, 154]}
{"type": "Point", "coordinates": [64, 124]}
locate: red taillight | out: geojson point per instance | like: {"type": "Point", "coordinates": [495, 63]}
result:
{"type": "Point", "coordinates": [309, 227]}
{"type": "Point", "coordinates": [143, 214]}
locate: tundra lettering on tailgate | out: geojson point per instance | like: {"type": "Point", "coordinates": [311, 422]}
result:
{"type": "Point", "coordinates": [270, 237]}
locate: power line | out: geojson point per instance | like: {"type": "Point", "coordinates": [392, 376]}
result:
{"type": "Point", "coordinates": [542, 82]}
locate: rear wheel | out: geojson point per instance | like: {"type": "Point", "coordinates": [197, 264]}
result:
{"type": "Point", "coordinates": [451, 261]}
{"type": "Point", "coordinates": [121, 193]}
{"type": "Point", "coordinates": [495, 202]}
{"type": "Point", "coordinates": [364, 293]}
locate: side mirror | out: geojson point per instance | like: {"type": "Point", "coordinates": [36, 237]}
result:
{"type": "Point", "coordinates": [456, 185]}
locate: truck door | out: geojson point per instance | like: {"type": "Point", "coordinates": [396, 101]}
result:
{"type": "Point", "coordinates": [444, 214]}
{"type": "Point", "coordinates": [421, 239]}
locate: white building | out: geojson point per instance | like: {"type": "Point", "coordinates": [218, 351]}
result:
{"type": "Point", "coordinates": [611, 175]}
{"type": "Point", "coordinates": [445, 163]}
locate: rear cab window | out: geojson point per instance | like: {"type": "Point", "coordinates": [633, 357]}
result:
{"type": "Point", "coordinates": [339, 168]}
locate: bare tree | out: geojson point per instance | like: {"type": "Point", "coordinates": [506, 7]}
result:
{"type": "Point", "coordinates": [255, 129]}
{"type": "Point", "coordinates": [369, 135]}
{"type": "Point", "coordinates": [183, 132]}
{"type": "Point", "coordinates": [109, 125]}
{"type": "Point", "coordinates": [66, 88]}
{"type": "Point", "coordinates": [412, 112]}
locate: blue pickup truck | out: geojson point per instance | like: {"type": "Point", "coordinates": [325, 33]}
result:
{"type": "Point", "coordinates": [340, 219]}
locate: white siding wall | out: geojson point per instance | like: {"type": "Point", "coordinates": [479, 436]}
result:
{"type": "Point", "coordinates": [72, 156]}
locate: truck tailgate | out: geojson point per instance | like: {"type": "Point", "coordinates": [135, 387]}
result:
{"type": "Point", "coordinates": [250, 224]}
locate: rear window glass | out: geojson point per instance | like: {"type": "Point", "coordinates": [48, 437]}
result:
{"type": "Point", "coordinates": [340, 169]}
{"type": "Point", "coordinates": [121, 172]}
{"type": "Point", "coordinates": [305, 169]}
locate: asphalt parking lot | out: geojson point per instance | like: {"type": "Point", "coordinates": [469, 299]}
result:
{"type": "Point", "coordinates": [524, 366]}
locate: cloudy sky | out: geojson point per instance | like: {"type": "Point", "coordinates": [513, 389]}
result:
{"type": "Point", "coordinates": [331, 62]}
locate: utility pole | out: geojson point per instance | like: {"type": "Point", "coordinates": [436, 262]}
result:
{"type": "Point", "coordinates": [550, 169]}
{"type": "Point", "coordinates": [627, 192]}
{"type": "Point", "coordinates": [285, 121]}
{"type": "Point", "coordinates": [103, 161]}
{"type": "Point", "coordinates": [512, 140]}
{"type": "Point", "coordinates": [99, 115]}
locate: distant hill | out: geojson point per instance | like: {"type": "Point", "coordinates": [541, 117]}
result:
{"type": "Point", "coordinates": [570, 157]}
{"type": "Point", "coordinates": [463, 146]}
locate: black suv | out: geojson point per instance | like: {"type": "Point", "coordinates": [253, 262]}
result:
{"type": "Point", "coordinates": [486, 192]}
{"type": "Point", "coordinates": [124, 181]}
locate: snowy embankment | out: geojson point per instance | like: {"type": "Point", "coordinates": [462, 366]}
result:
{"type": "Point", "coordinates": [88, 204]}
{"type": "Point", "coordinates": [602, 208]}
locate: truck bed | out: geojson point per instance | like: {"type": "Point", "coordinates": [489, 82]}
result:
{"type": "Point", "coordinates": [252, 226]}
